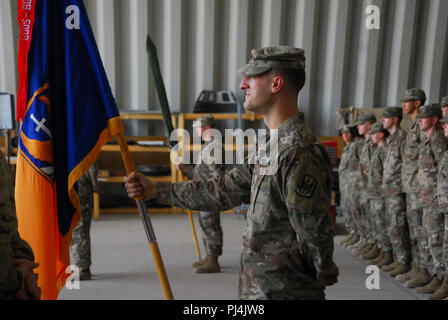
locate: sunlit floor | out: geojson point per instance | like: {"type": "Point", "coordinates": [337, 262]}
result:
{"type": "Point", "coordinates": [123, 268]}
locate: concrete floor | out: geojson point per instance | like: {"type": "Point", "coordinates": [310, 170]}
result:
{"type": "Point", "coordinates": [123, 267]}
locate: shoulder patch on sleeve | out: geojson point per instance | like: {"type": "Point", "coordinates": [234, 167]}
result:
{"type": "Point", "coordinates": [306, 186]}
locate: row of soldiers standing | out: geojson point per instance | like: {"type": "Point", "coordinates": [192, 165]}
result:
{"type": "Point", "coordinates": [394, 193]}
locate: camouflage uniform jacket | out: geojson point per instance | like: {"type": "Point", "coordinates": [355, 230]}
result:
{"type": "Point", "coordinates": [431, 152]}
{"type": "Point", "coordinates": [409, 153]}
{"type": "Point", "coordinates": [375, 181]}
{"type": "Point", "coordinates": [442, 183]}
{"type": "Point", "coordinates": [364, 163]}
{"type": "Point", "coordinates": [203, 171]}
{"type": "Point", "coordinates": [353, 165]}
{"type": "Point", "coordinates": [288, 239]}
{"type": "Point", "coordinates": [11, 245]}
{"type": "Point", "coordinates": [343, 170]}
{"type": "Point", "coordinates": [392, 169]}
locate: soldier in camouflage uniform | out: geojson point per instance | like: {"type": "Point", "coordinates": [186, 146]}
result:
{"type": "Point", "coordinates": [412, 100]}
{"type": "Point", "coordinates": [288, 240]}
{"type": "Point", "coordinates": [343, 173]}
{"type": "Point", "coordinates": [432, 149]}
{"type": "Point", "coordinates": [442, 201]}
{"type": "Point", "coordinates": [17, 279]}
{"type": "Point", "coordinates": [209, 221]}
{"type": "Point", "coordinates": [80, 251]}
{"type": "Point", "coordinates": [444, 105]}
{"type": "Point", "coordinates": [382, 245]}
{"type": "Point", "coordinates": [393, 192]}
{"type": "Point", "coordinates": [354, 204]}
{"type": "Point", "coordinates": [366, 243]}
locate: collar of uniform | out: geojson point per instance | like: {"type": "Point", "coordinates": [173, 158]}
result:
{"type": "Point", "coordinates": [285, 126]}
{"type": "Point", "coordinates": [393, 136]}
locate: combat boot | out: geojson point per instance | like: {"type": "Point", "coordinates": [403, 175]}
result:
{"type": "Point", "coordinates": [390, 267]}
{"type": "Point", "coordinates": [378, 259]}
{"type": "Point", "coordinates": [352, 241]}
{"type": "Point", "coordinates": [198, 263]}
{"type": "Point", "coordinates": [359, 246]}
{"type": "Point", "coordinates": [373, 253]}
{"type": "Point", "coordinates": [400, 269]}
{"type": "Point", "coordinates": [408, 275]}
{"type": "Point", "coordinates": [387, 259]}
{"type": "Point", "coordinates": [347, 239]}
{"type": "Point", "coordinates": [431, 287]}
{"type": "Point", "coordinates": [211, 265]}
{"type": "Point", "coordinates": [421, 279]}
{"type": "Point", "coordinates": [365, 249]}
{"type": "Point", "coordinates": [85, 274]}
{"type": "Point", "coordinates": [440, 294]}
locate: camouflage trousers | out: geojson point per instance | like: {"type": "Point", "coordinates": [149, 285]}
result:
{"type": "Point", "coordinates": [210, 223]}
{"type": "Point", "coordinates": [80, 253]}
{"type": "Point", "coordinates": [445, 246]}
{"type": "Point", "coordinates": [432, 240]}
{"type": "Point", "coordinates": [253, 285]}
{"type": "Point", "coordinates": [346, 210]}
{"type": "Point", "coordinates": [414, 213]}
{"type": "Point", "coordinates": [378, 210]}
{"type": "Point", "coordinates": [355, 211]}
{"type": "Point", "coordinates": [367, 220]}
{"type": "Point", "coordinates": [398, 228]}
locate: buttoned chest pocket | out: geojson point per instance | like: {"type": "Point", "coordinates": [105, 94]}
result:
{"type": "Point", "coordinates": [394, 153]}
{"type": "Point", "coordinates": [412, 147]}
{"type": "Point", "coordinates": [262, 189]}
{"type": "Point", "coordinates": [426, 162]}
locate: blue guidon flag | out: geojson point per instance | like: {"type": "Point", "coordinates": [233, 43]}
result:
{"type": "Point", "coordinates": [67, 112]}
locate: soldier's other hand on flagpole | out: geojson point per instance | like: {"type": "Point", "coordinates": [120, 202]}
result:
{"type": "Point", "coordinates": [137, 184]}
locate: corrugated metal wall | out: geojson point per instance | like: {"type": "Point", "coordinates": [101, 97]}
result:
{"type": "Point", "coordinates": [201, 44]}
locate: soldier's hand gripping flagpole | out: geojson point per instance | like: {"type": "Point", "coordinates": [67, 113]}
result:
{"type": "Point", "coordinates": [160, 86]}
{"type": "Point", "coordinates": [146, 223]}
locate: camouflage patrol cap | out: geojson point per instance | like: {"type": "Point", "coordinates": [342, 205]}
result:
{"type": "Point", "coordinates": [377, 127]}
{"type": "Point", "coordinates": [203, 121]}
{"type": "Point", "coordinates": [391, 112]}
{"type": "Point", "coordinates": [366, 117]}
{"type": "Point", "coordinates": [413, 94]}
{"type": "Point", "coordinates": [444, 102]}
{"type": "Point", "coordinates": [345, 129]}
{"type": "Point", "coordinates": [429, 111]}
{"type": "Point", "coordinates": [265, 59]}
{"type": "Point", "coordinates": [444, 119]}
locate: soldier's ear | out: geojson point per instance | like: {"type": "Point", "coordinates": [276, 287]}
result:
{"type": "Point", "coordinates": [277, 84]}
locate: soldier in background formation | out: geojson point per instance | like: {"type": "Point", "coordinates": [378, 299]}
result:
{"type": "Point", "coordinates": [80, 249]}
{"type": "Point", "coordinates": [407, 188]}
{"type": "Point", "coordinates": [382, 245]}
{"type": "Point", "coordinates": [209, 221]}
{"type": "Point", "coordinates": [348, 135]}
{"type": "Point", "coordinates": [359, 206]}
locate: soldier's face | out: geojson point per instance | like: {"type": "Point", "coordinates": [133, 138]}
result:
{"type": "Point", "coordinates": [377, 137]}
{"type": "Point", "coordinates": [258, 94]}
{"type": "Point", "coordinates": [364, 128]}
{"type": "Point", "coordinates": [347, 137]}
{"type": "Point", "coordinates": [445, 129]}
{"type": "Point", "coordinates": [388, 123]}
{"type": "Point", "coordinates": [426, 123]}
{"type": "Point", "coordinates": [445, 111]}
{"type": "Point", "coordinates": [410, 106]}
